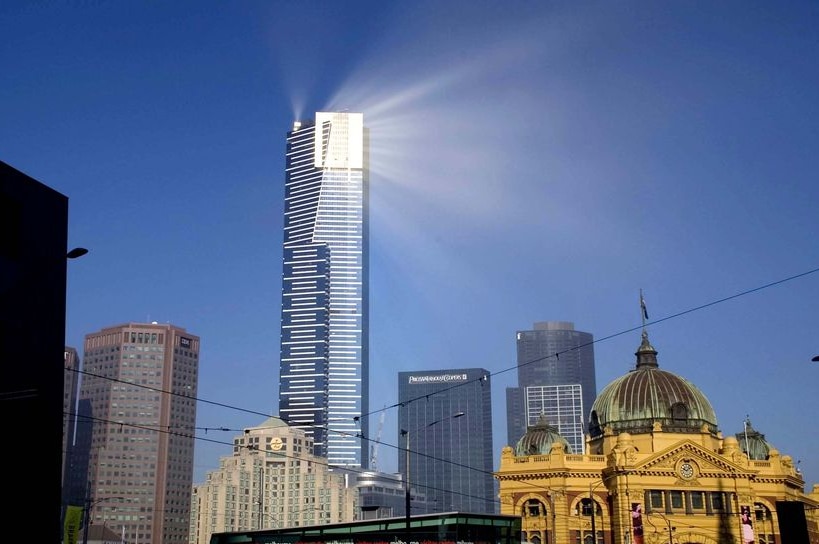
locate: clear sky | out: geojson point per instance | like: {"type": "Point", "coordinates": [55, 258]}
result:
{"type": "Point", "coordinates": [531, 161]}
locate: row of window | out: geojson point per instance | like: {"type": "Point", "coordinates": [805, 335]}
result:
{"type": "Point", "coordinates": [664, 501]}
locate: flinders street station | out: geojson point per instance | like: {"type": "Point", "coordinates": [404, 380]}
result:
{"type": "Point", "coordinates": [657, 469]}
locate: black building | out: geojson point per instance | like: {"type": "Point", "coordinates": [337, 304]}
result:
{"type": "Point", "coordinates": [33, 238]}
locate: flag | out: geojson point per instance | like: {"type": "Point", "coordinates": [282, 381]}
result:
{"type": "Point", "coordinates": [643, 305]}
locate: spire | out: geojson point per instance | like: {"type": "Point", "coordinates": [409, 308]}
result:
{"type": "Point", "coordinates": [646, 354]}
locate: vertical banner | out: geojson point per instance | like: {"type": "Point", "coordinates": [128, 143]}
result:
{"type": "Point", "coordinates": [637, 522]}
{"type": "Point", "coordinates": [73, 520]}
{"type": "Point", "coordinates": [747, 525]}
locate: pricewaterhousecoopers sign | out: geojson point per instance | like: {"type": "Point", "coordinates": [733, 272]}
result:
{"type": "Point", "coordinates": [437, 378]}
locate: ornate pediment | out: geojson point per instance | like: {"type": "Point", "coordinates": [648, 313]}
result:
{"type": "Point", "coordinates": [691, 453]}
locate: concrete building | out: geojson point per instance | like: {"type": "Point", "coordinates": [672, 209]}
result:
{"type": "Point", "coordinates": [656, 470]}
{"type": "Point", "coordinates": [446, 416]}
{"type": "Point", "coordinates": [33, 239]}
{"type": "Point", "coordinates": [556, 378]}
{"type": "Point", "coordinates": [382, 495]}
{"type": "Point", "coordinates": [136, 423]}
{"type": "Point", "coordinates": [272, 480]}
{"type": "Point", "coordinates": [324, 364]}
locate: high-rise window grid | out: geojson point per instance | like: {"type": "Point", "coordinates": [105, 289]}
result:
{"type": "Point", "coordinates": [324, 365]}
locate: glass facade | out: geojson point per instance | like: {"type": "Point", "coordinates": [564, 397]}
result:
{"type": "Point", "coordinates": [552, 354]}
{"type": "Point", "coordinates": [323, 379]}
{"type": "Point", "coordinates": [563, 407]}
{"type": "Point", "coordinates": [450, 455]}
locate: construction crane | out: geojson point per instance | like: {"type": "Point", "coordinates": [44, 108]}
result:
{"type": "Point", "coordinates": [374, 446]}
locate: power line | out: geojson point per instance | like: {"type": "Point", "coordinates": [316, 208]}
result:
{"type": "Point", "coordinates": [165, 429]}
{"type": "Point", "coordinates": [447, 389]}
{"type": "Point", "coordinates": [608, 337]}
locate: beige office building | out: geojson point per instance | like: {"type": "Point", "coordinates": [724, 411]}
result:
{"type": "Point", "coordinates": [272, 480]}
{"type": "Point", "coordinates": [138, 402]}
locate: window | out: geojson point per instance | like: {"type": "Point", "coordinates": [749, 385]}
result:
{"type": "Point", "coordinates": [534, 508]}
{"type": "Point", "coordinates": [676, 498]}
{"type": "Point", "coordinates": [584, 507]}
{"type": "Point", "coordinates": [679, 411]}
{"type": "Point", "coordinates": [655, 499]}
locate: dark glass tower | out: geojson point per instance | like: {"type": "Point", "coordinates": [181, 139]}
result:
{"type": "Point", "coordinates": [324, 366]}
{"type": "Point", "coordinates": [447, 415]}
{"type": "Point", "coordinates": [555, 376]}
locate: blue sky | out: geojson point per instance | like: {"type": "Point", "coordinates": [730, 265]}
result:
{"type": "Point", "coordinates": [531, 161]}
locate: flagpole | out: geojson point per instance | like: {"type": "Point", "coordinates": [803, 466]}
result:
{"type": "Point", "coordinates": [643, 310]}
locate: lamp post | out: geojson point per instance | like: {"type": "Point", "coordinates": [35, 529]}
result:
{"type": "Point", "coordinates": [593, 505]}
{"type": "Point", "coordinates": [667, 521]}
{"type": "Point", "coordinates": [89, 504]}
{"type": "Point", "coordinates": [406, 433]}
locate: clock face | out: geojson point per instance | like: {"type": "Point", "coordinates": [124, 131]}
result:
{"type": "Point", "coordinates": [276, 443]}
{"type": "Point", "coordinates": [686, 471]}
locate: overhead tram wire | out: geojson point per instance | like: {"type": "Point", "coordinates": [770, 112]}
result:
{"type": "Point", "coordinates": [482, 378]}
{"type": "Point", "coordinates": [362, 470]}
{"type": "Point", "coordinates": [602, 339]}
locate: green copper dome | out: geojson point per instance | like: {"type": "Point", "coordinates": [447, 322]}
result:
{"type": "Point", "coordinates": [539, 439]}
{"type": "Point", "coordinates": [753, 443]}
{"type": "Point", "coordinates": [648, 396]}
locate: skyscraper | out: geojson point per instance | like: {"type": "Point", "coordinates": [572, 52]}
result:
{"type": "Point", "coordinates": [138, 405]}
{"type": "Point", "coordinates": [446, 417]}
{"type": "Point", "coordinates": [556, 377]}
{"type": "Point", "coordinates": [324, 365]}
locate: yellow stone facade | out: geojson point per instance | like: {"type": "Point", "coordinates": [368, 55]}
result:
{"type": "Point", "coordinates": [690, 488]}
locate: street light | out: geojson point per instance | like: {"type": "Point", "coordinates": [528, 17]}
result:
{"type": "Point", "coordinates": [89, 504]}
{"type": "Point", "coordinates": [406, 433]}
{"type": "Point", "coordinates": [76, 252]}
{"type": "Point", "coordinates": [593, 505]}
{"type": "Point", "coordinates": [667, 521]}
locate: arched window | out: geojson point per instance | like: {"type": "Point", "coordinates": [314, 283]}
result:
{"type": "Point", "coordinates": [584, 507]}
{"type": "Point", "coordinates": [534, 508]}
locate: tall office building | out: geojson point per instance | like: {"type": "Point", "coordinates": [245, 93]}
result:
{"type": "Point", "coordinates": [445, 417]}
{"type": "Point", "coordinates": [137, 418]}
{"type": "Point", "coordinates": [324, 374]}
{"type": "Point", "coordinates": [556, 377]}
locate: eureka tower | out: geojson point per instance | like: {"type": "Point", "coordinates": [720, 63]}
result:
{"type": "Point", "coordinates": [324, 367]}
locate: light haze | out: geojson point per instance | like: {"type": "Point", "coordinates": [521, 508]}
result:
{"type": "Point", "coordinates": [531, 161]}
